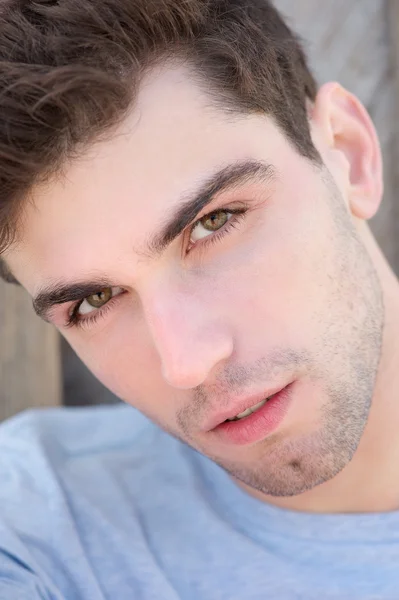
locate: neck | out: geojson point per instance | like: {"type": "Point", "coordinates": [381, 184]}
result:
{"type": "Point", "coordinates": [370, 482]}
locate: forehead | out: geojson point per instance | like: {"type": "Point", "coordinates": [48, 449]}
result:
{"type": "Point", "coordinates": [110, 200]}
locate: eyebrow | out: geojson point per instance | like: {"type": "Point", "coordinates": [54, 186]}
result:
{"type": "Point", "coordinates": [190, 205]}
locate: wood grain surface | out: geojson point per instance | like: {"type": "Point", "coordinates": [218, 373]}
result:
{"type": "Point", "coordinates": [30, 369]}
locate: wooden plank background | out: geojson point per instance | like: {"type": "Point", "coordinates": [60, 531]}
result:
{"type": "Point", "coordinates": [353, 41]}
{"type": "Point", "coordinates": [30, 365]}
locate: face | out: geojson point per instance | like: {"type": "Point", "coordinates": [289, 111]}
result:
{"type": "Point", "coordinates": [267, 292]}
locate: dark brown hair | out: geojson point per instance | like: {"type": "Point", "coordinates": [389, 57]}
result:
{"type": "Point", "coordinates": [70, 70]}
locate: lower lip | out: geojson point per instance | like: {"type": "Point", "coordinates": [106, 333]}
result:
{"type": "Point", "coordinates": [259, 424]}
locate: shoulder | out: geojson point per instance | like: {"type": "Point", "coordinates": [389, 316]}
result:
{"type": "Point", "coordinates": [47, 455]}
{"type": "Point", "coordinates": [72, 430]}
{"type": "Point", "coordinates": [70, 479]}
{"type": "Point", "coordinates": [57, 457]}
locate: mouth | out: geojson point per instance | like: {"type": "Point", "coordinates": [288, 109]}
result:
{"type": "Point", "coordinates": [242, 408]}
{"type": "Point", "coordinates": [252, 419]}
{"type": "Point", "coordinates": [250, 410]}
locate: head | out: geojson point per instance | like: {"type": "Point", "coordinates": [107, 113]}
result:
{"type": "Point", "coordinates": [189, 210]}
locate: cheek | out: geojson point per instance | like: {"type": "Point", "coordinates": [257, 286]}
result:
{"type": "Point", "coordinates": [281, 281]}
{"type": "Point", "coordinates": [121, 357]}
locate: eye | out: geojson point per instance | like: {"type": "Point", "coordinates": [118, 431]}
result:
{"type": "Point", "coordinates": [215, 224]}
{"type": "Point", "coordinates": [96, 301]}
{"type": "Point", "coordinates": [92, 306]}
{"type": "Point", "coordinates": [209, 224]}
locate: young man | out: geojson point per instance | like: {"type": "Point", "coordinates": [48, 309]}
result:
{"type": "Point", "coordinates": [190, 211]}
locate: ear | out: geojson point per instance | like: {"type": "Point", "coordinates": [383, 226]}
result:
{"type": "Point", "coordinates": [348, 143]}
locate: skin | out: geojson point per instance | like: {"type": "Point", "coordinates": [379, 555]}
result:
{"type": "Point", "coordinates": [297, 292]}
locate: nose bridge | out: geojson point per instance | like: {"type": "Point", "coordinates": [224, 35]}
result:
{"type": "Point", "coordinates": [189, 337]}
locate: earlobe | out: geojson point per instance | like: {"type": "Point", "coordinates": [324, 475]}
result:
{"type": "Point", "coordinates": [352, 146]}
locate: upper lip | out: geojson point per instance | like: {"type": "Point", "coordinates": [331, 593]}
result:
{"type": "Point", "coordinates": [238, 405]}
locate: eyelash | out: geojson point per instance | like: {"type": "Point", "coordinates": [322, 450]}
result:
{"type": "Point", "coordinates": [237, 215]}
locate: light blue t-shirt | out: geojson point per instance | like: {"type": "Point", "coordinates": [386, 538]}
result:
{"type": "Point", "coordinates": [98, 503]}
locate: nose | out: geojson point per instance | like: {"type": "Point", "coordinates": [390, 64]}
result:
{"type": "Point", "coordinates": [189, 339]}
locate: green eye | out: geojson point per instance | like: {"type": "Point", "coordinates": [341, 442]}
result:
{"type": "Point", "coordinates": [99, 299]}
{"type": "Point", "coordinates": [215, 220]}
{"type": "Point", "coordinates": [91, 308]}
{"type": "Point", "coordinates": [209, 224]}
